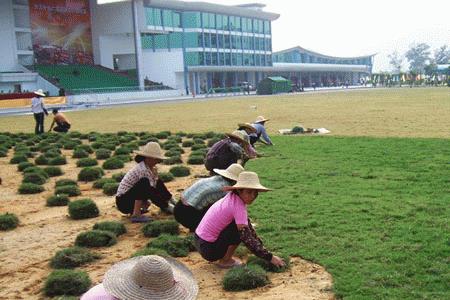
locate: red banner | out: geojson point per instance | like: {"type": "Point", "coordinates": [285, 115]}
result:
{"type": "Point", "coordinates": [61, 31]}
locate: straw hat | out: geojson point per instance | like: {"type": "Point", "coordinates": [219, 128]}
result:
{"type": "Point", "coordinates": [152, 149]}
{"type": "Point", "coordinates": [260, 119]}
{"type": "Point", "coordinates": [247, 180]}
{"type": "Point", "coordinates": [239, 135]}
{"type": "Point", "coordinates": [247, 126]}
{"type": "Point", "coordinates": [40, 92]}
{"type": "Point", "coordinates": [232, 172]}
{"type": "Point", "coordinates": [150, 277]}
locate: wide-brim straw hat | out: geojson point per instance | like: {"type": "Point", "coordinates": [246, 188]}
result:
{"type": "Point", "coordinates": [40, 92]}
{"type": "Point", "coordinates": [247, 180]}
{"type": "Point", "coordinates": [239, 135]}
{"type": "Point", "coordinates": [247, 126]}
{"type": "Point", "coordinates": [151, 149]}
{"type": "Point", "coordinates": [150, 277]}
{"type": "Point", "coordinates": [261, 119]}
{"type": "Point", "coordinates": [232, 172]}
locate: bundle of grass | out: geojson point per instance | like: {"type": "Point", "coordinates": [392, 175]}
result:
{"type": "Point", "coordinates": [198, 141]}
{"type": "Point", "coordinates": [180, 171]}
{"type": "Point", "coordinates": [122, 150]}
{"type": "Point", "coordinates": [74, 134]}
{"type": "Point", "coordinates": [52, 153]}
{"type": "Point", "coordinates": [65, 181]}
{"type": "Point", "coordinates": [198, 146]}
{"type": "Point", "coordinates": [124, 158]}
{"type": "Point", "coordinates": [86, 162]}
{"type": "Point", "coordinates": [187, 143]}
{"type": "Point", "coordinates": [72, 257]}
{"type": "Point", "coordinates": [80, 153]}
{"type": "Point", "coordinates": [102, 153]}
{"type": "Point", "coordinates": [173, 160]}
{"type": "Point", "coordinates": [169, 144]}
{"type": "Point", "coordinates": [83, 209]}
{"type": "Point", "coordinates": [266, 265]}
{"type": "Point", "coordinates": [30, 188]}
{"type": "Point", "coordinates": [96, 238]}
{"type": "Point", "coordinates": [201, 136]}
{"type": "Point", "coordinates": [70, 144]}
{"type": "Point", "coordinates": [199, 152]}
{"type": "Point", "coordinates": [244, 278]}
{"type": "Point", "coordinates": [150, 251]}
{"type": "Point", "coordinates": [35, 170]}
{"type": "Point", "coordinates": [162, 134]}
{"type": "Point", "coordinates": [41, 160]}
{"type": "Point", "coordinates": [210, 134]}
{"type": "Point", "coordinates": [69, 190]}
{"type": "Point", "coordinates": [57, 161]}
{"type": "Point", "coordinates": [174, 245]}
{"type": "Point", "coordinates": [58, 200]}
{"type": "Point", "coordinates": [298, 129]}
{"type": "Point", "coordinates": [181, 133]}
{"type": "Point", "coordinates": [118, 176]}
{"type": "Point", "coordinates": [166, 176]}
{"type": "Point", "coordinates": [241, 251]}
{"type": "Point", "coordinates": [212, 141]}
{"type": "Point", "coordinates": [112, 226]}
{"type": "Point", "coordinates": [3, 152]}
{"type": "Point", "coordinates": [110, 189]}
{"type": "Point", "coordinates": [110, 146]}
{"type": "Point", "coordinates": [173, 152]}
{"type": "Point", "coordinates": [113, 164]}
{"type": "Point", "coordinates": [67, 282]}
{"type": "Point", "coordinates": [196, 160]}
{"type": "Point", "coordinates": [175, 138]}
{"type": "Point", "coordinates": [53, 171]}
{"type": "Point", "coordinates": [90, 174]}
{"type": "Point", "coordinates": [98, 184]}
{"type": "Point", "coordinates": [8, 221]}
{"type": "Point", "coordinates": [86, 148]}
{"type": "Point", "coordinates": [23, 165]}
{"type": "Point", "coordinates": [156, 228]}
{"type": "Point", "coordinates": [35, 178]}
{"type": "Point", "coordinates": [18, 158]}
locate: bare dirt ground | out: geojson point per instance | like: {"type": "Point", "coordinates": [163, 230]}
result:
{"type": "Point", "coordinates": [25, 251]}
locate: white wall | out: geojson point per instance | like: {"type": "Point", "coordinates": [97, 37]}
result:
{"type": "Point", "coordinates": [162, 66]}
{"type": "Point", "coordinates": [126, 61]}
{"type": "Point", "coordinates": [8, 59]}
{"type": "Point", "coordinates": [111, 45]}
{"type": "Point", "coordinates": [116, 98]}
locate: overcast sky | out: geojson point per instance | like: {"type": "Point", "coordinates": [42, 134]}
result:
{"type": "Point", "coordinates": [357, 27]}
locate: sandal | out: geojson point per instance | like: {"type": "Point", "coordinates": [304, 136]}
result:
{"type": "Point", "coordinates": [235, 263]}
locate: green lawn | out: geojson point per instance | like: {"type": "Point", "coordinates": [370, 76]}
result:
{"type": "Point", "coordinates": [373, 211]}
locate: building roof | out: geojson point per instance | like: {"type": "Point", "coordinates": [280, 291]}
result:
{"type": "Point", "coordinates": [277, 78]}
{"type": "Point", "coordinates": [285, 67]}
{"type": "Point", "coordinates": [303, 50]}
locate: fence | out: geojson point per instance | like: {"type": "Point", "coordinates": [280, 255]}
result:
{"type": "Point", "coordinates": [226, 91]}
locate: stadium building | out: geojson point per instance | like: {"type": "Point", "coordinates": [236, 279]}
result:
{"type": "Point", "coordinates": [188, 47]}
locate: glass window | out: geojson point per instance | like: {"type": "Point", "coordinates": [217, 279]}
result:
{"type": "Point", "coordinates": [208, 58]}
{"type": "Point", "coordinates": [225, 22]}
{"type": "Point", "coordinates": [268, 44]}
{"type": "Point", "coordinates": [221, 58]}
{"type": "Point", "coordinates": [255, 26]}
{"type": "Point", "coordinates": [228, 59]}
{"type": "Point", "coordinates": [219, 21]}
{"type": "Point", "coordinates": [200, 39]}
{"type": "Point", "coordinates": [167, 18]}
{"type": "Point", "coordinates": [176, 40]}
{"type": "Point", "coordinates": [239, 59]}
{"type": "Point", "coordinates": [213, 40]}
{"type": "Point", "coordinates": [244, 25]}
{"type": "Point", "coordinates": [268, 60]}
{"type": "Point", "coordinates": [227, 41]}
{"type": "Point", "coordinates": [153, 16]}
{"type": "Point", "coordinates": [191, 20]}
{"type": "Point", "coordinates": [147, 42]}
{"type": "Point", "coordinates": [207, 40]}
{"type": "Point", "coordinates": [220, 41]}
{"type": "Point", "coordinates": [176, 19]}
{"type": "Point", "coordinates": [214, 58]}
{"type": "Point", "coordinates": [232, 22]}
{"type": "Point", "coordinates": [238, 23]}
{"type": "Point", "coordinates": [234, 59]}
{"type": "Point", "coordinates": [260, 26]}
{"type": "Point", "coordinates": [161, 41]}
{"type": "Point", "coordinates": [201, 58]}
{"type": "Point", "coordinates": [192, 39]}
{"type": "Point", "coordinates": [205, 20]}
{"type": "Point", "coordinates": [192, 58]}
{"type": "Point", "coordinates": [212, 21]}
{"type": "Point", "coordinates": [267, 27]}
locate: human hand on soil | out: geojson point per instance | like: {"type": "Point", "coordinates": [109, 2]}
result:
{"type": "Point", "coordinates": [277, 261]}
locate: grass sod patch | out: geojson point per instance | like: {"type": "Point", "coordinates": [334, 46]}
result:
{"type": "Point", "coordinates": [156, 228]}
{"type": "Point", "coordinates": [86, 162]}
{"type": "Point", "coordinates": [180, 171]}
{"type": "Point", "coordinates": [267, 265]}
{"type": "Point", "coordinates": [65, 181]}
{"type": "Point", "coordinates": [110, 189]}
{"type": "Point", "coordinates": [96, 238]}
{"type": "Point", "coordinates": [244, 278]}
{"type": "Point", "coordinates": [115, 227]}
{"type": "Point", "coordinates": [58, 200]}
{"type": "Point", "coordinates": [72, 257]}
{"type": "Point", "coordinates": [53, 171]}
{"type": "Point", "coordinates": [166, 176]}
{"type": "Point", "coordinates": [174, 245]}
{"type": "Point", "coordinates": [83, 209]}
{"type": "Point", "coordinates": [98, 184]}
{"type": "Point", "coordinates": [8, 221]}
{"type": "Point", "coordinates": [373, 211]}
{"type": "Point", "coordinates": [113, 163]}
{"type": "Point", "coordinates": [30, 188]}
{"type": "Point", "coordinates": [90, 174]}
{"type": "Point", "coordinates": [150, 251]}
{"type": "Point", "coordinates": [67, 282]}
{"type": "Point", "coordinates": [69, 190]}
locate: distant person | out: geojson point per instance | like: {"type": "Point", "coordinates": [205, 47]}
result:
{"type": "Point", "coordinates": [38, 109]}
{"type": "Point", "coordinates": [62, 123]}
{"type": "Point", "coordinates": [260, 134]}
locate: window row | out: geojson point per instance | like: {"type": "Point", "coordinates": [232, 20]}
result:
{"type": "Point", "coordinates": [162, 17]}
{"type": "Point", "coordinates": [227, 59]}
{"type": "Point", "coordinates": [296, 57]}
{"type": "Point", "coordinates": [225, 41]}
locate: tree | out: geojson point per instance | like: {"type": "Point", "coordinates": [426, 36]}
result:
{"type": "Point", "coordinates": [396, 61]}
{"type": "Point", "coordinates": [418, 57]}
{"type": "Point", "coordinates": [442, 55]}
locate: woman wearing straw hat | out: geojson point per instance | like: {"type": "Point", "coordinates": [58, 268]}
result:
{"type": "Point", "coordinates": [260, 132]}
{"type": "Point", "coordinates": [226, 225]}
{"type": "Point", "coordinates": [141, 183]}
{"type": "Point", "coordinates": [228, 151]}
{"type": "Point", "coordinates": [198, 198]}
{"type": "Point", "coordinates": [144, 278]}
{"type": "Point", "coordinates": [38, 109]}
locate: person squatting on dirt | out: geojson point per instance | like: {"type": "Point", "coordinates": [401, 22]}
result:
{"type": "Point", "coordinates": [260, 132]}
{"type": "Point", "coordinates": [249, 129]}
{"type": "Point", "coordinates": [198, 198]}
{"type": "Point", "coordinates": [142, 184]}
{"type": "Point", "coordinates": [226, 224]}
{"type": "Point", "coordinates": [62, 123]}
{"type": "Point", "coordinates": [38, 109]}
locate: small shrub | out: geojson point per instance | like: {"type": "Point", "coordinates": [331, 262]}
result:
{"type": "Point", "coordinates": [181, 133]}
{"type": "Point", "coordinates": [35, 170]}
{"type": "Point", "coordinates": [173, 160]}
{"type": "Point", "coordinates": [150, 251]}
{"type": "Point", "coordinates": [118, 176]}
{"type": "Point", "coordinates": [199, 152]}
{"type": "Point", "coordinates": [8, 221]}
{"type": "Point", "coordinates": [65, 181]}
{"type": "Point", "coordinates": [180, 171]}
{"type": "Point", "coordinates": [83, 209]}
{"type": "Point", "coordinates": [52, 153]}
{"type": "Point", "coordinates": [244, 278]}
{"type": "Point", "coordinates": [166, 176]}
{"type": "Point", "coordinates": [112, 226]}
{"type": "Point", "coordinates": [58, 200]}
{"type": "Point", "coordinates": [86, 162]}
{"type": "Point", "coordinates": [189, 241]}
{"type": "Point", "coordinates": [198, 146]}
{"type": "Point", "coordinates": [162, 134]}
{"type": "Point", "coordinates": [210, 134]}
{"type": "Point", "coordinates": [53, 171]}
{"type": "Point", "coordinates": [18, 158]}
{"type": "Point", "coordinates": [110, 189]}
{"type": "Point", "coordinates": [267, 265]}
{"type": "Point", "coordinates": [196, 160]}
{"type": "Point", "coordinates": [3, 152]}
{"type": "Point", "coordinates": [67, 282]}
{"type": "Point", "coordinates": [157, 228]}
{"type": "Point", "coordinates": [122, 150]}
{"type": "Point", "coordinates": [30, 188]}
{"type": "Point", "coordinates": [70, 145]}
{"type": "Point", "coordinates": [201, 136]}
{"type": "Point", "coordinates": [96, 238]}
{"type": "Point", "coordinates": [35, 178]}
{"type": "Point", "coordinates": [212, 141]}
{"type": "Point", "coordinates": [90, 174]}
{"type": "Point", "coordinates": [98, 184]}
{"type": "Point", "coordinates": [57, 161]}
{"type": "Point", "coordinates": [69, 190]}
{"type": "Point", "coordinates": [113, 163]}
{"type": "Point", "coordinates": [198, 141]}
{"type": "Point", "coordinates": [74, 134]}
{"type": "Point", "coordinates": [102, 153]}
{"type": "Point", "coordinates": [175, 138]}
{"type": "Point", "coordinates": [23, 165]}
{"type": "Point", "coordinates": [124, 157]}
{"type": "Point", "coordinates": [174, 245]}
{"type": "Point", "coordinates": [72, 257]}
{"type": "Point", "coordinates": [170, 144]}
{"type": "Point", "coordinates": [298, 129]}
{"type": "Point", "coordinates": [80, 153]}
{"type": "Point", "coordinates": [86, 148]}
{"type": "Point", "coordinates": [41, 160]}
{"type": "Point", "coordinates": [172, 152]}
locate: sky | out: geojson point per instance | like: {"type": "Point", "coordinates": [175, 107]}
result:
{"type": "Point", "coordinates": [356, 27]}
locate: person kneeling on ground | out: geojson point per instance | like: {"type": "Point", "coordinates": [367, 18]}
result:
{"type": "Point", "coordinates": [260, 134]}
{"type": "Point", "coordinates": [62, 123]}
{"type": "Point", "coordinates": [141, 183]}
{"type": "Point", "coordinates": [226, 225]}
{"type": "Point", "coordinates": [146, 277]}
{"type": "Point", "coordinates": [198, 198]}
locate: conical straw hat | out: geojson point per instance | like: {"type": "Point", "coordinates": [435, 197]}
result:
{"type": "Point", "coordinates": [152, 149]}
{"type": "Point", "coordinates": [247, 180]}
{"type": "Point", "coordinates": [232, 172]}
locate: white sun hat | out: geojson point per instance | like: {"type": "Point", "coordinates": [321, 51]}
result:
{"type": "Point", "coordinates": [232, 172]}
{"type": "Point", "coordinates": [260, 119]}
{"type": "Point", "coordinates": [40, 92]}
{"type": "Point", "coordinates": [247, 180]}
{"type": "Point", "coordinates": [152, 149]}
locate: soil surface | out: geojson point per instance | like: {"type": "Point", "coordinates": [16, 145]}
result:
{"type": "Point", "coordinates": [25, 251]}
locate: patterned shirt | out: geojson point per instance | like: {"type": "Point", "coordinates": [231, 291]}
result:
{"type": "Point", "coordinates": [134, 175]}
{"type": "Point", "coordinates": [205, 192]}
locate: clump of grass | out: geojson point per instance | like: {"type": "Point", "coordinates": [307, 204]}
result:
{"type": "Point", "coordinates": [198, 147]}
{"type": "Point", "coordinates": [72, 257]}
{"type": "Point", "coordinates": [212, 141]}
{"type": "Point", "coordinates": [241, 251]}
{"type": "Point", "coordinates": [70, 190]}
{"type": "Point", "coordinates": [83, 209]}
{"type": "Point", "coordinates": [118, 176]}
{"type": "Point", "coordinates": [18, 158]}
{"type": "Point", "coordinates": [150, 251]}
{"type": "Point", "coordinates": [162, 134]}
{"type": "Point", "coordinates": [57, 161]}
{"type": "Point", "coordinates": [267, 265]}
{"type": "Point", "coordinates": [102, 153]}
{"type": "Point", "coordinates": [196, 160]}
{"type": "Point", "coordinates": [180, 171]}
{"type": "Point", "coordinates": [86, 162]}
{"type": "Point", "coordinates": [58, 200]}
{"type": "Point", "coordinates": [23, 165]}
{"type": "Point", "coordinates": [110, 189]}
{"type": "Point", "coordinates": [122, 150]}
{"type": "Point", "coordinates": [166, 176]}
{"type": "Point", "coordinates": [53, 171]}
{"type": "Point", "coordinates": [244, 278]}
{"type": "Point", "coordinates": [156, 228]}
{"type": "Point", "coordinates": [30, 188]}
{"type": "Point", "coordinates": [90, 174]}
{"type": "Point", "coordinates": [117, 228]}
{"type": "Point", "coordinates": [96, 238]}
{"type": "Point", "coordinates": [174, 245]}
{"type": "Point", "coordinates": [35, 178]}
{"type": "Point", "coordinates": [113, 163]}
{"type": "Point", "coordinates": [173, 160]}
{"type": "Point", "coordinates": [65, 181]}
{"type": "Point", "coordinates": [86, 148]}
{"type": "Point", "coordinates": [35, 170]}
{"type": "Point", "coordinates": [80, 153]}
{"type": "Point", "coordinates": [187, 143]}
{"type": "Point", "coordinates": [123, 157]}
{"type": "Point", "coordinates": [98, 184]}
{"type": "Point", "coordinates": [8, 221]}
{"type": "Point", "coordinates": [41, 160]}
{"type": "Point", "coordinates": [67, 282]}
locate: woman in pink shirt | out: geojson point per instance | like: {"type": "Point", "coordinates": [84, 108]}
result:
{"type": "Point", "coordinates": [226, 225]}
